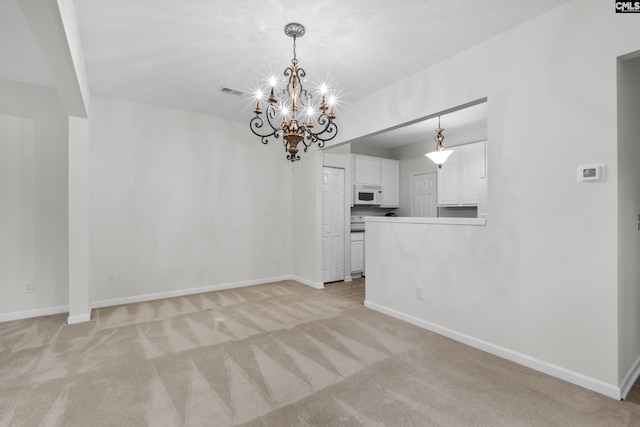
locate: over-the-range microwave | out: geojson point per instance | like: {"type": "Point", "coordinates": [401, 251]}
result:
{"type": "Point", "coordinates": [366, 194]}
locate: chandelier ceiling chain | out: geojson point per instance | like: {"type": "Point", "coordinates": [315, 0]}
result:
{"type": "Point", "coordinates": [294, 61]}
{"type": "Point", "coordinates": [291, 99]}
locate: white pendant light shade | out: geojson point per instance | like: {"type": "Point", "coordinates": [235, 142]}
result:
{"type": "Point", "coordinates": [439, 157]}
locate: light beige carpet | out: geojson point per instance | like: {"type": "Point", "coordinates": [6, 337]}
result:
{"type": "Point", "coordinates": [281, 354]}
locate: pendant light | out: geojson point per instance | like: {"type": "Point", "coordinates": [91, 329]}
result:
{"type": "Point", "coordinates": [439, 155]}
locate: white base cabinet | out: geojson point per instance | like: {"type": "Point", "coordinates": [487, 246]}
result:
{"type": "Point", "coordinates": [357, 252]}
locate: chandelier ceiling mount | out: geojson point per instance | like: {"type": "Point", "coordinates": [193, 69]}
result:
{"type": "Point", "coordinates": [294, 30]}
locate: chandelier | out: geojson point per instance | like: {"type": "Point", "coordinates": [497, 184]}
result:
{"type": "Point", "coordinates": [314, 126]}
{"type": "Point", "coordinates": [439, 155]}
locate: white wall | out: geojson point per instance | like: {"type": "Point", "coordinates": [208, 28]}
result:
{"type": "Point", "coordinates": [33, 201]}
{"type": "Point", "coordinates": [79, 220]}
{"type": "Point", "coordinates": [365, 150]}
{"type": "Point", "coordinates": [182, 201]}
{"type": "Point", "coordinates": [19, 227]}
{"type": "Point", "coordinates": [306, 242]}
{"type": "Point", "coordinates": [628, 211]}
{"type": "Point", "coordinates": [540, 280]}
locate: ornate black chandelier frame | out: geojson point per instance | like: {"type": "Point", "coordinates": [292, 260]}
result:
{"type": "Point", "coordinates": [293, 98]}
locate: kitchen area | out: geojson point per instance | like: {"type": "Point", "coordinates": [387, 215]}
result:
{"type": "Point", "coordinates": [376, 192]}
{"type": "Point", "coordinates": [388, 175]}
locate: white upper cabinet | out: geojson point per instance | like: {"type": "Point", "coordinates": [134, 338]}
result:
{"type": "Point", "coordinates": [390, 180]}
{"type": "Point", "coordinates": [366, 170]}
{"type": "Point", "coordinates": [460, 178]}
{"type": "Point", "coordinates": [472, 169]}
{"type": "Point", "coordinates": [448, 177]}
{"type": "Point", "coordinates": [371, 170]}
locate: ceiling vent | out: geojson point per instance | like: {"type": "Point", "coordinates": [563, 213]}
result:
{"type": "Point", "coordinates": [230, 91]}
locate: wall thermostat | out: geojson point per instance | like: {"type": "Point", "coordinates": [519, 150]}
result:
{"type": "Point", "coordinates": [592, 173]}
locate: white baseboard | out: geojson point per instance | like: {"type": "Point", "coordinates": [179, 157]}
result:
{"type": "Point", "coordinates": [316, 285]}
{"type": "Point", "coordinates": [348, 278]}
{"type": "Point", "coordinates": [576, 378]}
{"type": "Point", "coordinates": [79, 318]}
{"type": "Point", "coordinates": [630, 378]}
{"type": "Point", "coordinates": [6, 317]}
{"type": "Point", "coordinates": [183, 292]}
{"type": "Point", "coordinates": [27, 314]}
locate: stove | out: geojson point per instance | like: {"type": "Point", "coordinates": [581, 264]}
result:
{"type": "Point", "coordinates": [357, 223]}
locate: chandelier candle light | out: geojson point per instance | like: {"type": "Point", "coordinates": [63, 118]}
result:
{"type": "Point", "coordinates": [439, 155]}
{"type": "Point", "coordinates": [294, 97]}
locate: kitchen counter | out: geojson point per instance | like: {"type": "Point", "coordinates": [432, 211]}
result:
{"type": "Point", "coordinates": [421, 220]}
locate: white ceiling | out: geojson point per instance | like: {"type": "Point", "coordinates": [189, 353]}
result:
{"type": "Point", "coordinates": [178, 54]}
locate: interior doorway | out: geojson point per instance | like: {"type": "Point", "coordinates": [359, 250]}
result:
{"type": "Point", "coordinates": [423, 195]}
{"type": "Point", "coordinates": [628, 182]}
{"type": "Point", "coordinates": [332, 224]}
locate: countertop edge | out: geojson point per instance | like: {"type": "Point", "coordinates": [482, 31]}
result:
{"type": "Point", "coordinates": [440, 221]}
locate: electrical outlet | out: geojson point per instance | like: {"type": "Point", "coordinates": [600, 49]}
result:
{"type": "Point", "coordinates": [111, 279]}
{"type": "Point", "coordinates": [29, 288]}
{"type": "Point", "coordinates": [419, 293]}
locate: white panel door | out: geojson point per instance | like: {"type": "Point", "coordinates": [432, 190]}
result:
{"type": "Point", "coordinates": [333, 224]}
{"type": "Point", "coordinates": [423, 195]}
{"type": "Point", "coordinates": [326, 223]}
